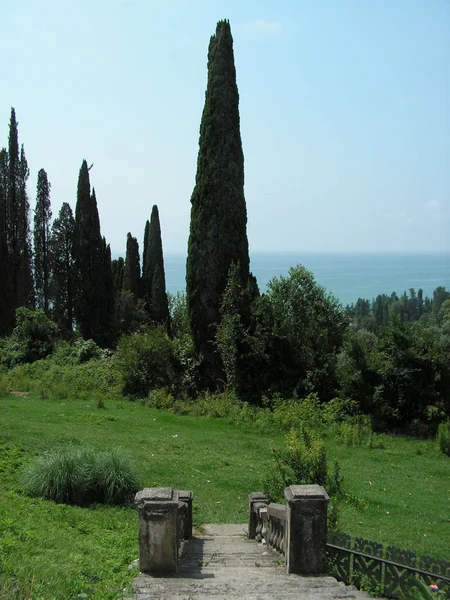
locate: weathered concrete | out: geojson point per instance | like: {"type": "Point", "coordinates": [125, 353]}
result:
{"type": "Point", "coordinates": [306, 525]}
{"type": "Point", "coordinates": [157, 516]}
{"type": "Point", "coordinates": [221, 563]}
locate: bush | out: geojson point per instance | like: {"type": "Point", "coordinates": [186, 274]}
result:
{"type": "Point", "coordinates": [443, 438]}
{"type": "Point", "coordinates": [32, 339]}
{"type": "Point", "coordinates": [147, 361]}
{"type": "Point", "coordinates": [302, 461]}
{"type": "Point", "coordinates": [356, 432]}
{"type": "Point", "coordinates": [82, 476]}
{"type": "Point", "coordinates": [87, 350]}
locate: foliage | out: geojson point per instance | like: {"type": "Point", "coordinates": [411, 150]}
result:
{"type": "Point", "coordinates": [42, 216]}
{"type": "Point", "coordinates": [356, 431]}
{"type": "Point", "coordinates": [147, 361]}
{"type": "Point", "coordinates": [32, 339]}
{"type": "Point", "coordinates": [87, 350]}
{"type": "Point", "coordinates": [82, 476]}
{"type": "Point", "coordinates": [443, 438]}
{"type": "Point", "coordinates": [132, 271]}
{"type": "Point", "coordinates": [303, 460]}
{"type": "Point", "coordinates": [302, 328]}
{"type": "Point", "coordinates": [218, 223]}
{"type": "Point", "coordinates": [62, 283]}
{"type": "Point", "coordinates": [94, 303]}
{"type": "Point", "coordinates": [154, 280]}
{"type": "Point", "coordinates": [179, 318]}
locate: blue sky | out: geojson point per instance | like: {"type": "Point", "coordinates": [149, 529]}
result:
{"type": "Point", "coordinates": [344, 105]}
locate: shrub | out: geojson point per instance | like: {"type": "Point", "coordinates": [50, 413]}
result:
{"type": "Point", "coordinates": [33, 338]}
{"type": "Point", "coordinates": [443, 438]}
{"type": "Point", "coordinates": [87, 350]}
{"type": "Point", "coordinates": [147, 361]}
{"type": "Point", "coordinates": [302, 461]}
{"type": "Point", "coordinates": [82, 476]}
{"type": "Point", "coordinates": [356, 432]}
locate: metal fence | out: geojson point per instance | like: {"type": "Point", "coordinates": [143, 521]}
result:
{"type": "Point", "coordinates": [386, 570]}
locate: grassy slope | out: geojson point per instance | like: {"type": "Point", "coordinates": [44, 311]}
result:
{"type": "Point", "coordinates": [69, 550]}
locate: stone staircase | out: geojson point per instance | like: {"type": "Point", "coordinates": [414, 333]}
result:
{"type": "Point", "coordinates": [221, 563]}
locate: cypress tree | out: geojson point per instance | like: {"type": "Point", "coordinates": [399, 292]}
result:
{"type": "Point", "coordinates": [94, 302]}
{"type": "Point", "coordinates": [132, 269]}
{"type": "Point", "coordinates": [154, 277]}
{"type": "Point", "coordinates": [6, 289]}
{"type": "Point", "coordinates": [42, 216]}
{"type": "Point", "coordinates": [218, 228]}
{"type": "Point", "coordinates": [117, 268]}
{"type": "Point", "coordinates": [63, 269]}
{"type": "Point", "coordinates": [17, 220]}
{"type": "Point", "coordinates": [145, 285]}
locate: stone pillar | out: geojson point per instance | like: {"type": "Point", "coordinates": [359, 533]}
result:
{"type": "Point", "coordinates": [306, 523]}
{"type": "Point", "coordinates": [254, 498]}
{"type": "Point", "coordinates": [157, 513]}
{"type": "Point", "coordinates": [185, 496]}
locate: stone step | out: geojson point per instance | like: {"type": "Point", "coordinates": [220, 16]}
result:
{"type": "Point", "coordinates": [221, 563]}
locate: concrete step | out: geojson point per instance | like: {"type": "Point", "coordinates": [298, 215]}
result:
{"type": "Point", "coordinates": [221, 563]}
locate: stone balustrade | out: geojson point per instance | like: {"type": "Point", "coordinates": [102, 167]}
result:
{"type": "Point", "coordinates": [165, 520]}
{"type": "Point", "coordinates": [297, 529]}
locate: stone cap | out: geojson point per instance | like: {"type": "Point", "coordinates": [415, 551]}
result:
{"type": "Point", "coordinates": [156, 495]}
{"type": "Point", "coordinates": [305, 492]}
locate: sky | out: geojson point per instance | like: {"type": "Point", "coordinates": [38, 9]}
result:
{"type": "Point", "coordinates": [344, 108]}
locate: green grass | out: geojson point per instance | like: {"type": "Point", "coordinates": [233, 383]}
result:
{"type": "Point", "coordinates": [50, 551]}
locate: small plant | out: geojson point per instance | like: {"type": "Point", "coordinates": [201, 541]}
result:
{"type": "Point", "coordinates": [82, 476]}
{"type": "Point", "coordinates": [428, 592]}
{"type": "Point", "coordinates": [87, 350]}
{"type": "Point", "coordinates": [443, 438]}
{"type": "Point", "coordinates": [356, 432]}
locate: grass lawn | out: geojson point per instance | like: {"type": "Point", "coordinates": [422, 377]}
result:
{"type": "Point", "coordinates": [50, 551]}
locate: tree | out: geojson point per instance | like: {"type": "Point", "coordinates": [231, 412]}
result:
{"type": "Point", "coordinates": [132, 269]}
{"type": "Point", "coordinates": [42, 216]}
{"type": "Point", "coordinates": [154, 277]}
{"type": "Point", "coordinates": [6, 288]}
{"type": "Point", "coordinates": [17, 220]}
{"type": "Point", "coordinates": [218, 228]}
{"type": "Point", "coordinates": [94, 303]}
{"type": "Point", "coordinates": [63, 268]}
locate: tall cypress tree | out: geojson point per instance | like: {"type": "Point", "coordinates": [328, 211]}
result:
{"type": "Point", "coordinates": [42, 237]}
{"type": "Point", "coordinates": [63, 269]}
{"type": "Point", "coordinates": [218, 228]}
{"type": "Point", "coordinates": [6, 289]}
{"type": "Point", "coordinates": [17, 220]}
{"type": "Point", "coordinates": [94, 301]}
{"type": "Point", "coordinates": [132, 270]}
{"type": "Point", "coordinates": [145, 285]}
{"type": "Point", "coordinates": [154, 277]}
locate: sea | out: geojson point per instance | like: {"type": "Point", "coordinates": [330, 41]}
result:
{"type": "Point", "coordinates": [347, 276]}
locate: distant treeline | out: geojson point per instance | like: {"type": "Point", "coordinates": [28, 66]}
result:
{"type": "Point", "coordinates": [409, 307]}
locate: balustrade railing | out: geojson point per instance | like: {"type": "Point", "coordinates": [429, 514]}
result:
{"type": "Point", "coordinates": [297, 529]}
{"type": "Point", "coordinates": [165, 520]}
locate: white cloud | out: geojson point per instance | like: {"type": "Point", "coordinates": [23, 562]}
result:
{"type": "Point", "coordinates": [266, 28]}
{"type": "Point", "coordinates": [432, 205]}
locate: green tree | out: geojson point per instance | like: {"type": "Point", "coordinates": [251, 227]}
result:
{"type": "Point", "coordinates": [6, 287]}
{"type": "Point", "coordinates": [42, 216]}
{"type": "Point", "coordinates": [17, 220]}
{"type": "Point", "coordinates": [117, 268]}
{"type": "Point", "coordinates": [218, 227]}
{"type": "Point", "coordinates": [94, 300]}
{"type": "Point", "coordinates": [132, 269]}
{"type": "Point", "coordinates": [63, 269]}
{"type": "Point", "coordinates": [154, 277]}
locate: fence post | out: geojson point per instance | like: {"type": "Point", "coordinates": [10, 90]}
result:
{"type": "Point", "coordinates": [306, 522]}
{"type": "Point", "coordinates": [157, 514]}
{"type": "Point", "coordinates": [253, 498]}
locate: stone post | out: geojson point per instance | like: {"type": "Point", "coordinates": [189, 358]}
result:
{"type": "Point", "coordinates": [157, 514]}
{"type": "Point", "coordinates": [185, 496]}
{"type": "Point", "coordinates": [306, 523]}
{"type": "Point", "coordinates": [254, 498]}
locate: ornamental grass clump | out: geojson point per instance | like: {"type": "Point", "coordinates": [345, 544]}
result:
{"type": "Point", "coordinates": [82, 476]}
